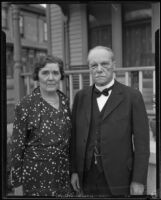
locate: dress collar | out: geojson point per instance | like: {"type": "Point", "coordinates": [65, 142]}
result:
{"type": "Point", "coordinates": [36, 94]}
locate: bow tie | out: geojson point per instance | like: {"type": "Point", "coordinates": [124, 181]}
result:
{"type": "Point", "coordinates": [105, 92]}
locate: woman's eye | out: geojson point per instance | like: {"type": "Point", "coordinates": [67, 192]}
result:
{"type": "Point", "coordinates": [56, 73]}
{"type": "Point", "coordinates": [45, 73]}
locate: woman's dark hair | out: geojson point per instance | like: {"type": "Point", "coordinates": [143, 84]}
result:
{"type": "Point", "coordinates": [45, 60]}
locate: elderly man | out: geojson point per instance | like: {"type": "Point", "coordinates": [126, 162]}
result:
{"type": "Point", "coordinates": [110, 137]}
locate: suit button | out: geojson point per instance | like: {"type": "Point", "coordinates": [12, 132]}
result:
{"type": "Point", "coordinates": [84, 140]}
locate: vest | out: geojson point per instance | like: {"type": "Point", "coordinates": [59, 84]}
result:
{"type": "Point", "coordinates": [94, 134]}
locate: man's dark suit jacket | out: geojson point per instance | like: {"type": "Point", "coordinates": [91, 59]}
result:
{"type": "Point", "coordinates": [124, 137]}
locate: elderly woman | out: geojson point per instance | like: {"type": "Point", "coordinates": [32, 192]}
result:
{"type": "Point", "coordinates": [41, 134]}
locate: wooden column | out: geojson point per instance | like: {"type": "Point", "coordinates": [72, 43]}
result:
{"type": "Point", "coordinates": [4, 9]}
{"type": "Point", "coordinates": [66, 43]}
{"type": "Point", "coordinates": [78, 39]}
{"type": "Point", "coordinates": [84, 33]}
{"type": "Point", "coordinates": [57, 31]}
{"type": "Point", "coordinates": [18, 80]}
{"type": "Point", "coordinates": [48, 17]}
{"type": "Point", "coordinates": [117, 33]}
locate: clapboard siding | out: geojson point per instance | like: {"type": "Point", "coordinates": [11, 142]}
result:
{"type": "Point", "coordinates": [75, 35]}
{"type": "Point", "coordinates": [73, 42]}
{"type": "Point", "coordinates": [77, 39]}
{"type": "Point", "coordinates": [76, 23]}
{"type": "Point", "coordinates": [76, 61]}
{"type": "Point", "coordinates": [57, 31]}
{"type": "Point", "coordinates": [59, 40]}
{"type": "Point", "coordinates": [77, 45]}
{"type": "Point", "coordinates": [57, 25]}
{"type": "Point", "coordinates": [76, 58]}
{"type": "Point", "coordinates": [76, 26]}
{"type": "Point", "coordinates": [76, 31]}
{"type": "Point", "coordinates": [76, 50]}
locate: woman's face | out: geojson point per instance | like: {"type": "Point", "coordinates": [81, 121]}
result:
{"type": "Point", "coordinates": [49, 77]}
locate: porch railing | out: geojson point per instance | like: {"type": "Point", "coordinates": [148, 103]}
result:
{"type": "Point", "coordinates": [142, 78]}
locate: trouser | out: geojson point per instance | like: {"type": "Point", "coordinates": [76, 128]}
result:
{"type": "Point", "coordinates": [94, 182]}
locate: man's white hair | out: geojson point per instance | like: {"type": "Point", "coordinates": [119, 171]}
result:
{"type": "Point", "coordinates": [101, 47]}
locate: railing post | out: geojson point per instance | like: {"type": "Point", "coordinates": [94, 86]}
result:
{"type": "Point", "coordinates": [141, 81]}
{"type": "Point", "coordinates": [90, 79]}
{"type": "Point", "coordinates": [80, 81]}
{"type": "Point", "coordinates": [61, 86]}
{"type": "Point", "coordinates": [127, 78]}
{"type": "Point", "coordinates": [28, 84]}
{"type": "Point", "coordinates": [114, 74]}
{"type": "Point", "coordinates": [154, 87]}
{"type": "Point", "coordinates": [35, 84]}
{"type": "Point", "coordinates": [71, 89]}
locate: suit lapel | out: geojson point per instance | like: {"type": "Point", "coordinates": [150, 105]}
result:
{"type": "Point", "coordinates": [88, 103]}
{"type": "Point", "coordinates": [114, 100]}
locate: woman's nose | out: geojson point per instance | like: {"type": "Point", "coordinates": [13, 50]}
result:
{"type": "Point", "coordinates": [51, 76]}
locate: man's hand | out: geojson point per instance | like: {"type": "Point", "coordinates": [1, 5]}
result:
{"type": "Point", "coordinates": [18, 191]}
{"type": "Point", "coordinates": [75, 182]}
{"type": "Point", "coordinates": [136, 188]}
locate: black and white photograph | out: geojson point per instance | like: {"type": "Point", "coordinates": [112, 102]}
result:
{"type": "Point", "coordinates": [80, 99]}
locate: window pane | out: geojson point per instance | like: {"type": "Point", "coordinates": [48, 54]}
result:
{"type": "Point", "coordinates": [21, 24]}
{"type": "Point", "coordinates": [4, 18]}
{"type": "Point", "coordinates": [45, 31]}
{"type": "Point", "coordinates": [99, 18]}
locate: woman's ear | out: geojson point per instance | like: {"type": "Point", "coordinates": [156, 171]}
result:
{"type": "Point", "coordinates": [35, 77]}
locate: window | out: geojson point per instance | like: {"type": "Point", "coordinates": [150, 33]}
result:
{"type": "Point", "coordinates": [45, 31]}
{"type": "Point", "coordinates": [137, 49]}
{"type": "Point", "coordinates": [4, 18]}
{"type": "Point", "coordinates": [9, 61]}
{"type": "Point", "coordinates": [21, 24]}
{"type": "Point", "coordinates": [99, 20]}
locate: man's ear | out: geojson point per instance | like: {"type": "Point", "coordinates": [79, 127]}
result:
{"type": "Point", "coordinates": [114, 64]}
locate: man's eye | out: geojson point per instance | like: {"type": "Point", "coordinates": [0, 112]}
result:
{"type": "Point", "coordinates": [105, 64]}
{"type": "Point", "coordinates": [94, 66]}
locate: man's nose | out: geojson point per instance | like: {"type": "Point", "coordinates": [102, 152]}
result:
{"type": "Point", "coordinates": [99, 68]}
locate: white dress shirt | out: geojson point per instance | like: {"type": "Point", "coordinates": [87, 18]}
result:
{"type": "Point", "coordinates": [101, 101]}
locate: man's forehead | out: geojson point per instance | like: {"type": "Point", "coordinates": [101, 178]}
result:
{"type": "Point", "coordinates": [100, 54]}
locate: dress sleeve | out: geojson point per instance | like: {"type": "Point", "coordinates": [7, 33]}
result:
{"type": "Point", "coordinates": [18, 144]}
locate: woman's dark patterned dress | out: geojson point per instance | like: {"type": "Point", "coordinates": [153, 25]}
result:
{"type": "Point", "coordinates": [40, 146]}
